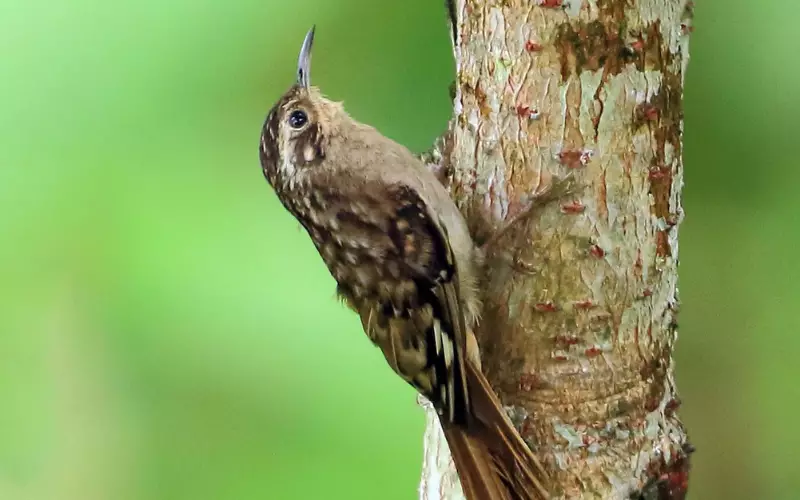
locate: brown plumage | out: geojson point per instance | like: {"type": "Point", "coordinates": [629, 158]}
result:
{"type": "Point", "coordinates": [403, 259]}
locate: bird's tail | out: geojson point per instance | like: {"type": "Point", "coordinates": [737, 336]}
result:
{"type": "Point", "coordinates": [492, 460]}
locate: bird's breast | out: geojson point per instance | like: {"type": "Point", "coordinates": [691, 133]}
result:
{"type": "Point", "coordinates": [360, 256]}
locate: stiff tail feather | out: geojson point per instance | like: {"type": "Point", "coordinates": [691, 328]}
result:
{"type": "Point", "coordinates": [492, 460]}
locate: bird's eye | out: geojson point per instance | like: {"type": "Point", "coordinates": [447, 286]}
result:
{"type": "Point", "coordinates": [298, 119]}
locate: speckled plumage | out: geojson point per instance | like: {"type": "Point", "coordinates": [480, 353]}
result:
{"type": "Point", "coordinates": [401, 254]}
{"type": "Point", "coordinates": [371, 219]}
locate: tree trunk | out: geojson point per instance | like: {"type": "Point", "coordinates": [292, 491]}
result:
{"type": "Point", "coordinates": [581, 299]}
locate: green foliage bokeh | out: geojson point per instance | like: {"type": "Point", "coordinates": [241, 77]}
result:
{"type": "Point", "coordinates": [167, 332]}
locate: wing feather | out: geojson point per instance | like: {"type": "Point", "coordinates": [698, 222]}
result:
{"type": "Point", "coordinates": [410, 305]}
{"type": "Point", "coordinates": [422, 242]}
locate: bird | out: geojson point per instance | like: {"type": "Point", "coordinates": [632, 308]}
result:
{"type": "Point", "coordinates": [403, 259]}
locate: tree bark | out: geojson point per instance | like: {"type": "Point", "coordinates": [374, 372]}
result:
{"type": "Point", "coordinates": [581, 301]}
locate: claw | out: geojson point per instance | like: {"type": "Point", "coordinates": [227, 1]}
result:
{"type": "Point", "coordinates": [558, 188]}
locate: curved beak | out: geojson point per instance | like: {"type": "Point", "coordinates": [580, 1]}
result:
{"type": "Point", "coordinates": [304, 61]}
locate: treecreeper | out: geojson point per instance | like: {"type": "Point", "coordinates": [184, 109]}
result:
{"type": "Point", "coordinates": [402, 256]}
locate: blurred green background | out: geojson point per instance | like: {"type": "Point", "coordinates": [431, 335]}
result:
{"type": "Point", "coordinates": [167, 331]}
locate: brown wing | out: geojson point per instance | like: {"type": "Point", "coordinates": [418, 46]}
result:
{"type": "Point", "coordinates": [423, 245]}
{"type": "Point", "coordinates": [492, 459]}
{"type": "Point", "coordinates": [393, 263]}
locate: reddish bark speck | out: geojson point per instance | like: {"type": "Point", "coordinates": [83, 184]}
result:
{"type": "Point", "coordinates": [532, 46]}
{"type": "Point", "coordinates": [672, 405]}
{"type": "Point", "coordinates": [565, 340]}
{"type": "Point", "coordinates": [574, 207]}
{"type": "Point", "coordinates": [574, 158]}
{"type": "Point", "coordinates": [669, 484]}
{"type": "Point", "coordinates": [658, 173]}
{"type": "Point", "coordinates": [527, 112]}
{"type": "Point", "coordinates": [647, 112]}
{"type": "Point", "coordinates": [597, 251]}
{"type": "Point", "coordinates": [592, 352]}
{"type": "Point", "coordinates": [545, 307]}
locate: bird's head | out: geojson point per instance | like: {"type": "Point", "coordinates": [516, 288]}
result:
{"type": "Point", "coordinates": [296, 131]}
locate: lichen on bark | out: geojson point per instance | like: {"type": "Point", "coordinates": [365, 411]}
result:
{"type": "Point", "coordinates": [581, 300]}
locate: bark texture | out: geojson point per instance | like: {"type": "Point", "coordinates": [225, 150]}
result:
{"type": "Point", "coordinates": [581, 298]}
